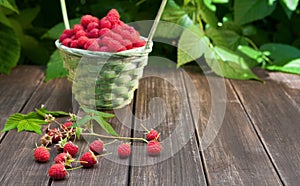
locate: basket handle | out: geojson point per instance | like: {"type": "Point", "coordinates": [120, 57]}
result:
{"type": "Point", "coordinates": [64, 14]}
{"type": "Point", "coordinates": [155, 24]}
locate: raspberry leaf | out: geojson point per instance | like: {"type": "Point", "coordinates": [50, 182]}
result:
{"type": "Point", "coordinates": [43, 111]}
{"type": "Point", "coordinates": [24, 122]}
{"type": "Point", "coordinates": [98, 113]}
{"type": "Point", "coordinates": [82, 121]}
{"type": "Point", "coordinates": [105, 125]}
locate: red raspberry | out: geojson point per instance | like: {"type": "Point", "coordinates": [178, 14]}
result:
{"type": "Point", "coordinates": [127, 35]}
{"type": "Point", "coordinates": [103, 31]}
{"type": "Point", "coordinates": [68, 32]}
{"type": "Point", "coordinates": [57, 172]}
{"type": "Point", "coordinates": [41, 154]}
{"type": "Point", "coordinates": [89, 43]}
{"type": "Point", "coordinates": [74, 44]}
{"type": "Point", "coordinates": [92, 25]}
{"type": "Point", "coordinates": [103, 49]}
{"type": "Point", "coordinates": [56, 135]}
{"type": "Point", "coordinates": [152, 135]}
{"type": "Point", "coordinates": [115, 46]}
{"type": "Point", "coordinates": [81, 42]}
{"type": "Point", "coordinates": [105, 23]}
{"type": "Point", "coordinates": [116, 37]}
{"type": "Point", "coordinates": [93, 33]}
{"type": "Point", "coordinates": [63, 37]}
{"type": "Point", "coordinates": [77, 27]}
{"type": "Point", "coordinates": [153, 148]}
{"type": "Point", "coordinates": [113, 16]}
{"type": "Point", "coordinates": [105, 40]}
{"type": "Point", "coordinates": [66, 42]}
{"type": "Point", "coordinates": [86, 19]}
{"type": "Point", "coordinates": [88, 159]}
{"type": "Point", "coordinates": [96, 146]}
{"type": "Point", "coordinates": [71, 148]}
{"type": "Point", "coordinates": [124, 150]}
{"type": "Point", "coordinates": [118, 29]}
{"type": "Point", "coordinates": [139, 43]}
{"type": "Point", "coordinates": [127, 43]}
{"type": "Point", "coordinates": [80, 33]}
{"type": "Point", "coordinates": [67, 125]}
{"type": "Point", "coordinates": [64, 158]}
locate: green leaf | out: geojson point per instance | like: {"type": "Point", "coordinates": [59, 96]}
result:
{"type": "Point", "coordinates": [228, 64]}
{"type": "Point", "coordinates": [27, 16]}
{"type": "Point", "coordinates": [250, 52]}
{"type": "Point", "coordinates": [55, 68]}
{"type": "Point", "coordinates": [57, 30]}
{"type": "Point", "coordinates": [191, 45]}
{"type": "Point", "coordinates": [106, 126]}
{"type": "Point", "coordinates": [85, 119]}
{"type": "Point", "coordinates": [281, 53]}
{"type": "Point", "coordinates": [10, 4]}
{"type": "Point", "coordinates": [207, 15]}
{"type": "Point", "coordinates": [290, 4]}
{"type": "Point", "coordinates": [10, 49]}
{"type": "Point", "coordinates": [78, 132]}
{"type": "Point", "coordinates": [225, 38]}
{"type": "Point", "coordinates": [24, 122]}
{"type": "Point", "coordinates": [290, 67]}
{"type": "Point", "coordinates": [98, 113]}
{"type": "Point", "coordinates": [43, 111]}
{"type": "Point", "coordinates": [246, 11]}
{"type": "Point", "coordinates": [4, 20]}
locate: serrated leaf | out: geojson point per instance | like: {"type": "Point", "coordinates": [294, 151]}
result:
{"type": "Point", "coordinates": [290, 4]}
{"type": "Point", "coordinates": [55, 68]}
{"type": "Point", "coordinates": [191, 45]}
{"type": "Point", "coordinates": [98, 113]}
{"type": "Point", "coordinates": [290, 67]}
{"type": "Point", "coordinates": [24, 122]}
{"type": "Point", "coordinates": [57, 30]}
{"type": "Point", "coordinates": [228, 64]}
{"type": "Point", "coordinates": [84, 120]}
{"type": "Point", "coordinates": [10, 4]}
{"type": "Point", "coordinates": [281, 53]}
{"type": "Point", "coordinates": [105, 126]}
{"type": "Point", "coordinates": [246, 11]}
{"type": "Point", "coordinates": [10, 49]}
{"type": "Point", "coordinates": [43, 111]}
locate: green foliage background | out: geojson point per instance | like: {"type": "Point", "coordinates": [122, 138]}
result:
{"type": "Point", "coordinates": [238, 34]}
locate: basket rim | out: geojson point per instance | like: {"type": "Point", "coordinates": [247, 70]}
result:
{"type": "Point", "coordinates": [141, 51]}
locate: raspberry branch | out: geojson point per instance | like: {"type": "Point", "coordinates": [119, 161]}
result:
{"type": "Point", "coordinates": [114, 137]}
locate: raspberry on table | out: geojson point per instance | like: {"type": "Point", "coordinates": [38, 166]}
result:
{"type": "Point", "coordinates": [88, 159]}
{"type": "Point", "coordinates": [71, 148]}
{"type": "Point", "coordinates": [41, 154]}
{"type": "Point", "coordinates": [97, 146]}
{"type": "Point", "coordinates": [124, 150]}
{"type": "Point", "coordinates": [153, 148]}
{"type": "Point", "coordinates": [57, 171]}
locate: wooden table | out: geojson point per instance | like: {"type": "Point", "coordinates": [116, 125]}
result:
{"type": "Point", "coordinates": [258, 142]}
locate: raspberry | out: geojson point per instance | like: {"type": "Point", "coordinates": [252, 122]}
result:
{"type": "Point", "coordinates": [124, 150]}
{"type": "Point", "coordinates": [89, 43]}
{"type": "Point", "coordinates": [153, 148]}
{"type": "Point", "coordinates": [63, 37]}
{"type": "Point", "coordinates": [56, 135]}
{"type": "Point", "coordinates": [127, 43]}
{"type": "Point", "coordinates": [65, 159]}
{"type": "Point", "coordinates": [115, 46]}
{"type": "Point", "coordinates": [113, 16]}
{"type": "Point", "coordinates": [139, 43]}
{"type": "Point", "coordinates": [41, 154]}
{"type": "Point", "coordinates": [67, 125]}
{"type": "Point", "coordinates": [127, 35]}
{"type": "Point", "coordinates": [94, 47]}
{"type": "Point", "coordinates": [103, 49]}
{"type": "Point", "coordinates": [77, 27]}
{"type": "Point", "coordinates": [68, 32]}
{"type": "Point", "coordinates": [80, 33]}
{"type": "Point", "coordinates": [81, 42]}
{"type": "Point", "coordinates": [57, 171]}
{"type": "Point", "coordinates": [96, 146]}
{"type": "Point", "coordinates": [116, 37]}
{"type": "Point", "coordinates": [66, 42]}
{"type": "Point", "coordinates": [152, 135]}
{"type": "Point", "coordinates": [71, 148]}
{"type": "Point", "coordinates": [103, 31]}
{"type": "Point", "coordinates": [105, 23]}
{"type": "Point", "coordinates": [88, 159]}
{"type": "Point", "coordinates": [74, 44]}
{"type": "Point", "coordinates": [86, 19]}
{"type": "Point", "coordinates": [93, 33]}
{"type": "Point", "coordinates": [92, 25]}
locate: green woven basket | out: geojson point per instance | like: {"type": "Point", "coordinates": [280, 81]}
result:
{"type": "Point", "coordinates": [104, 80]}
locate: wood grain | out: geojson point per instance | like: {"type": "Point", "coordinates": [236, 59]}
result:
{"type": "Point", "coordinates": [236, 156]}
{"type": "Point", "coordinates": [170, 167]}
{"type": "Point", "coordinates": [273, 108]}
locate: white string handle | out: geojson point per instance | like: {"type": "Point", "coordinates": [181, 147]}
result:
{"type": "Point", "coordinates": [65, 14]}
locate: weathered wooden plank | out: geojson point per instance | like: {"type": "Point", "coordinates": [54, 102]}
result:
{"type": "Point", "coordinates": [235, 156]}
{"type": "Point", "coordinates": [164, 92]}
{"type": "Point", "coordinates": [20, 166]}
{"type": "Point", "coordinates": [16, 89]}
{"type": "Point", "coordinates": [274, 110]}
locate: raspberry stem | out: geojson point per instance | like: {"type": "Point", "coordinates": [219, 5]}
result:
{"type": "Point", "coordinates": [114, 137]}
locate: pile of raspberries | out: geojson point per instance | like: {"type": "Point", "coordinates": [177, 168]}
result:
{"type": "Point", "coordinates": [108, 34]}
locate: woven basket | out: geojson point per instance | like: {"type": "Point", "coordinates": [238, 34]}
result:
{"type": "Point", "coordinates": [104, 80]}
